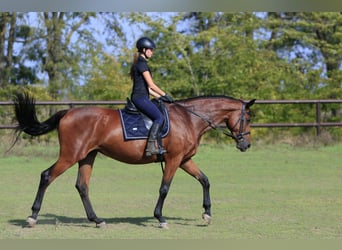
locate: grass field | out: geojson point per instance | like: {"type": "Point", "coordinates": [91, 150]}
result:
{"type": "Point", "coordinates": [273, 192]}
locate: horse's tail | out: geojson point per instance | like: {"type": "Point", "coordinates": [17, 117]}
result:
{"type": "Point", "coordinates": [25, 113]}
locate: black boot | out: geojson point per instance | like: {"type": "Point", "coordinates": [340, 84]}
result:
{"type": "Point", "coordinates": [154, 141]}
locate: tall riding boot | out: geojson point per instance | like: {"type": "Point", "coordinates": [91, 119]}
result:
{"type": "Point", "coordinates": [153, 147]}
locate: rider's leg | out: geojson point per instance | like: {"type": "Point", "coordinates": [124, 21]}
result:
{"type": "Point", "coordinates": [154, 145]}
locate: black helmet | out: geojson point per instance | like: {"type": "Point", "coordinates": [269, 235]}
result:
{"type": "Point", "coordinates": [146, 43]}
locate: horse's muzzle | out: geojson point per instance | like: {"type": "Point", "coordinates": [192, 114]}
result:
{"type": "Point", "coordinates": [243, 145]}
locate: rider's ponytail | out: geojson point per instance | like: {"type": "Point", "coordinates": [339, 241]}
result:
{"type": "Point", "coordinates": [135, 58]}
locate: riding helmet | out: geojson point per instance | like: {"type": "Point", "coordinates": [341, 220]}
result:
{"type": "Point", "coordinates": [146, 43]}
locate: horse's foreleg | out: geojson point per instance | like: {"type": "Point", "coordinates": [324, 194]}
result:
{"type": "Point", "coordinates": [169, 172]}
{"type": "Point", "coordinates": [203, 179]}
{"type": "Point", "coordinates": [164, 189]}
{"type": "Point", "coordinates": [82, 185]}
{"type": "Point", "coordinates": [191, 168]}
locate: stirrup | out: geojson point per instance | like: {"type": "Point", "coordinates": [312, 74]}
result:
{"type": "Point", "coordinates": [159, 151]}
{"type": "Point", "coordinates": [162, 151]}
{"type": "Point", "coordinates": [155, 150]}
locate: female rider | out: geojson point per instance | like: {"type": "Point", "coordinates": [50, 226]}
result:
{"type": "Point", "coordinates": [143, 86]}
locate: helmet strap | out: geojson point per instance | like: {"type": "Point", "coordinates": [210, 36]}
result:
{"type": "Point", "coordinates": [144, 52]}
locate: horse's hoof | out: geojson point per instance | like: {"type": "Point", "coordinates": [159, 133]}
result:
{"type": "Point", "coordinates": [163, 225]}
{"type": "Point", "coordinates": [31, 222]}
{"type": "Point", "coordinates": [101, 224]}
{"type": "Point", "coordinates": [206, 218]}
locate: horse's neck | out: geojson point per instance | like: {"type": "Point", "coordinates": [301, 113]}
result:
{"type": "Point", "coordinates": [212, 109]}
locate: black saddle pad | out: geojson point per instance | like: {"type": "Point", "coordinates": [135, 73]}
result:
{"type": "Point", "coordinates": [137, 126]}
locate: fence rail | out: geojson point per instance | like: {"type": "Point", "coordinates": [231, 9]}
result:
{"type": "Point", "coordinates": [318, 124]}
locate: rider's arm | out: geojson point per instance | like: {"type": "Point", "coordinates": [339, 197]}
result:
{"type": "Point", "coordinates": [153, 88]}
{"type": "Point", "coordinates": [153, 93]}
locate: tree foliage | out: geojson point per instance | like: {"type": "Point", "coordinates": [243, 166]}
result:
{"type": "Point", "coordinates": [14, 31]}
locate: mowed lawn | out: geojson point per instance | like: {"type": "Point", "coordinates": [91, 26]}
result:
{"type": "Point", "coordinates": [269, 192]}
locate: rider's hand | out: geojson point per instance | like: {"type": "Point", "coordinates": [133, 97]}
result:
{"type": "Point", "coordinates": [167, 98]}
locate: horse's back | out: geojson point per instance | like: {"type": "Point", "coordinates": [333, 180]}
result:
{"type": "Point", "coordinates": [89, 120]}
{"type": "Point", "coordinates": [89, 113]}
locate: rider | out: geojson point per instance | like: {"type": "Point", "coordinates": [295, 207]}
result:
{"type": "Point", "coordinates": [143, 86]}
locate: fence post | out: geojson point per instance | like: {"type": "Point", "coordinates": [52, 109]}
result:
{"type": "Point", "coordinates": [318, 118]}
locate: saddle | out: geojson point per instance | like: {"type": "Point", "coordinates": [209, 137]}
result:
{"type": "Point", "coordinates": [136, 125]}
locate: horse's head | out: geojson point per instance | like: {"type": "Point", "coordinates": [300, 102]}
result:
{"type": "Point", "coordinates": [239, 125]}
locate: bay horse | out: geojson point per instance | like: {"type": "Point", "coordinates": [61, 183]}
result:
{"type": "Point", "coordinates": [85, 131]}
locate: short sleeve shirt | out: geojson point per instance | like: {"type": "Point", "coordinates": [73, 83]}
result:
{"type": "Point", "coordinates": [140, 87]}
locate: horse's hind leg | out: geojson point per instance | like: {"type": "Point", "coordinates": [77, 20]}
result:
{"type": "Point", "coordinates": [191, 168]}
{"type": "Point", "coordinates": [46, 178]}
{"type": "Point", "coordinates": [82, 185]}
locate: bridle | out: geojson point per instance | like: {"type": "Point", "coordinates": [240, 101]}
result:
{"type": "Point", "coordinates": [239, 137]}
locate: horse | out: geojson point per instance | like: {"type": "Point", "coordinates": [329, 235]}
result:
{"type": "Point", "coordinates": [83, 132]}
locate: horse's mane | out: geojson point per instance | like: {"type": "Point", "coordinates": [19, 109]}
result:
{"type": "Point", "coordinates": [208, 97]}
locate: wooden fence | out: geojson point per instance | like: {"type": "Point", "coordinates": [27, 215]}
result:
{"type": "Point", "coordinates": [318, 123]}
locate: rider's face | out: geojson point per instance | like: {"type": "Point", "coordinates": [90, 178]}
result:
{"type": "Point", "coordinates": [148, 53]}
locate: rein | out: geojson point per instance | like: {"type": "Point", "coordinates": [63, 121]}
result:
{"type": "Point", "coordinates": [210, 123]}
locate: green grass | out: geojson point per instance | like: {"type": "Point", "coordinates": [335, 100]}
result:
{"type": "Point", "coordinates": [274, 192]}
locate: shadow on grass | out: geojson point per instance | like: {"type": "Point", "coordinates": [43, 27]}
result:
{"type": "Point", "coordinates": [52, 219]}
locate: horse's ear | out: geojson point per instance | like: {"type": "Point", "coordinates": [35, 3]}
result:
{"type": "Point", "coordinates": [250, 103]}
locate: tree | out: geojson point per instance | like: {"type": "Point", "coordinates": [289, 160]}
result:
{"type": "Point", "coordinates": [58, 59]}
{"type": "Point", "coordinates": [14, 32]}
{"type": "Point", "coordinates": [106, 80]}
{"type": "Point", "coordinates": [313, 42]}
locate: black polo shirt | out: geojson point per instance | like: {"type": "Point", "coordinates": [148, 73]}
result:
{"type": "Point", "coordinates": [140, 87]}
